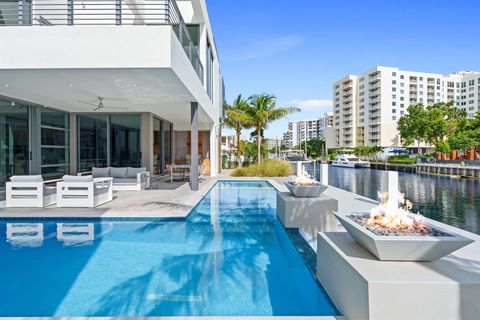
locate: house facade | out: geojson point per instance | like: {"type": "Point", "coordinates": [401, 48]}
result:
{"type": "Point", "coordinates": [108, 83]}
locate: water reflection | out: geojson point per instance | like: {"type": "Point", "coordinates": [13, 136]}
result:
{"type": "Point", "coordinates": [28, 235]}
{"type": "Point", "coordinates": [73, 234]}
{"type": "Point", "coordinates": [453, 201]}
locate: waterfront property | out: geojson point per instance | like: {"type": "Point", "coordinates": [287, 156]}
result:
{"type": "Point", "coordinates": [368, 106]}
{"type": "Point", "coordinates": [115, 83]}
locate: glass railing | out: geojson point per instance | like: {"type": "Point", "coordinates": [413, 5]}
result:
{"type": "Point", "coordinates": [101, 12]}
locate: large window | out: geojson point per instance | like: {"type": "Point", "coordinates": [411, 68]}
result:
{"type": "Point", "coordinates": [55, 143]}
{"type": "Point", "coordinates": [14, 140]}
{"type": "Point", "coordinates": [125, 140]}
{"type": "Point", "coordinates": [209, 73]}
{"type": "Point", "coordinates": [92, 141]}
{"type": "Point", "coordinates": [108, 140]}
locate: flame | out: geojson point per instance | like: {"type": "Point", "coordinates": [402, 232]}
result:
{"type": "Point", "coordinates": [388, 216]}
{"type": "Point", "coordinates": [304, 179]}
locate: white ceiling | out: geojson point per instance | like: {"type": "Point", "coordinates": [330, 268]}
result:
{"type": "Point", "coordinates": [140, 90]}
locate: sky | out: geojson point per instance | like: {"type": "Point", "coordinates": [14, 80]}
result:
{"type": "Point", "coordinates": [296, 49]}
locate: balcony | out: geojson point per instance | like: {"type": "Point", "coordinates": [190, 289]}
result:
{"type": "Point", "coordinates": [48, 13]}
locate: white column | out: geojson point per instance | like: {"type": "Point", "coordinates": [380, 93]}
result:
{"type": "Point", "coordinates": [390, 185]}
{"type": "Point", "coordinates": [194, 146]}
{"type": "Point", "coordinates": [214, 150]}
{"type": "Point", "coordinates": [324, 174]}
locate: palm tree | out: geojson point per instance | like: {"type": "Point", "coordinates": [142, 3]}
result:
{"type": "Point", "coordinates": [260, 112]}
{"type": "Point", "coordinates": [235, 119]}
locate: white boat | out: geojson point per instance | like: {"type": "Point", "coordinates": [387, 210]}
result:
{"type": "Point", "coordinates": [349, 161]}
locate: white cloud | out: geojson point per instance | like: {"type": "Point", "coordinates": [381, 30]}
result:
{"type": "Point", "coordinates": [313, 104]}
{"type": "Point", "coordinates": [265, 46]}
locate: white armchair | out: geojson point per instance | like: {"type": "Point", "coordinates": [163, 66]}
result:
{"type": "Point", "coordinates": [29, 192]}
{"type": "Point", "coordinates": [83, 191]}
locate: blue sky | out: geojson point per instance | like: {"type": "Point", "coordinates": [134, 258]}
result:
{"type": "Point", "coordinates": [296, 49]}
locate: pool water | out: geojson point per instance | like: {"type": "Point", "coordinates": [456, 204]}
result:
{"type": "Point", "coordinates": [231, 257]}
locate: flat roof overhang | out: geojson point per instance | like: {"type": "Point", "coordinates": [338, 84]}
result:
{"type": "Point", "coordinates": [158, 91]}
{"type": "Point", "coordinates": [142, 68]}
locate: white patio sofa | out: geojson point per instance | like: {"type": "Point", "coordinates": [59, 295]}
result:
{"type": "Point", "coordinates": [124, 178]}
{"type": "Point", "coordinates": [83, 192]}
{"type": "Point", "coordinates": [29, 192]}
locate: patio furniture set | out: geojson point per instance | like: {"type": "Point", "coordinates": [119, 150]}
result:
{"type": "Point", "coordinates": [86, 190]}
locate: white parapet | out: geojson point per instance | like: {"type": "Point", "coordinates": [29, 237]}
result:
{"type": "Point", "coordinates": [364, 288]}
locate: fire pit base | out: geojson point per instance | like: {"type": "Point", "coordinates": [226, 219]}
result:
{"type": "Point", "coordinates": [365, 288]}
{"type": "Point", "coordinates": [404, 248]}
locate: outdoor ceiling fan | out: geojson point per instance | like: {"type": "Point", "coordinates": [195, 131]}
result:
{"type": "Point", "coordinates": [100, 105]}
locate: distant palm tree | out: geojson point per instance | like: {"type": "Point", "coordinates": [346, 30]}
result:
{"type": "Point", "coordinates": [235, 119]}
{"type": "Point", "coordinates": [260, 112]}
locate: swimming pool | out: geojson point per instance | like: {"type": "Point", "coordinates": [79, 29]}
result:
{"type": "Point", "coordinates": [230, 257]}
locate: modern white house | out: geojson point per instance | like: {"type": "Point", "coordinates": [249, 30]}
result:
{"type": "Point", "coordinates": [107, 83]}
{"type": "Point", "coordinates": [368, 106]}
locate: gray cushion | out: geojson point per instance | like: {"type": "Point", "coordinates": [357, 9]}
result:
{"type": "Point", "coordinates": [100, 172]}
{"type": "Point", "coordinates": [132, 172]}
{"type": "Point", "coordinates": [26, 178]}
{"type": "Point", "coordinates": [67, 178]}
{"type": "Point", "coordinates": [100, 190]}
{"type": "Point", "coordinates": [124, 180]}
{"type": "Point", "coordinates": [49, 190]}
{"type": "Point", "coordinates": [118, 172]}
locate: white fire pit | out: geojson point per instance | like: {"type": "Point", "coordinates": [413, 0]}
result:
{"type": "Point", "coordinates": [391, 232]}
{"type": "Point", "coordinates": [304, 187]}
{"type": "Point", "coordinates": [428, 247]}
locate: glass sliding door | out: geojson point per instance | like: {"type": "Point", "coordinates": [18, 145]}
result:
{"type": "Point", "coordinates": [157, 146]}
{"type": "Point", "coordinates": [14, 140]}
{"type": "Point", "coordinates": [92, 141]}
{"type": "Point", "coordinates": [125, 140]}
{"type": "Point", "coordinates": [167, 141]}
{"type": "Point", "coordinates": [55, 144]}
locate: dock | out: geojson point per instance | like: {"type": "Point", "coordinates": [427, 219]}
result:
{"type": "Point", "coordinates": [394, 166]}
{"type": "Point", "coordinates": [450, 170]}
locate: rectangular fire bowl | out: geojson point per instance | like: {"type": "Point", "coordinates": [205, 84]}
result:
{"type": "Point", "coordinates": [306, 191]}
{"type": "Point", "coordinates": [404, 248]}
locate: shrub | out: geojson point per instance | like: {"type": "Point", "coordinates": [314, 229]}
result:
{"type": "Point", "coordinates": [267, 168]}
{"type": "Point", "coordinates": [401, 159]}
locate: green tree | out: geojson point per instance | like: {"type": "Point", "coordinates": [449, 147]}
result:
{"type": "Point", "coordinates": [234, 118]}
{"type": "Point", "coordinates": [444, 120]}
{"type": "Point", "coordinates": [412, 126]}
{"type": "Point", "coordinates": [315, 147]}
{"type": "Point", "coordinates": [261, 111]}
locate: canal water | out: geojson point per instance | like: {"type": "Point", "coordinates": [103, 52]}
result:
{"type": "Point", "coordinates": [450, 200]}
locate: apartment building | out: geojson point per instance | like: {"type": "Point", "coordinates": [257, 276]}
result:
{"type": "Point", "coordinates": [302, 130]}
{"type": "Point", "coordinates": [109, 83]}
{"type": "Point", "coordinates": [273, 143]}
{"type": "Point", "coordinates": [368, 106]}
